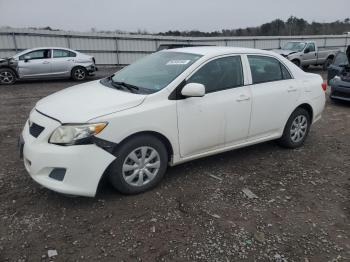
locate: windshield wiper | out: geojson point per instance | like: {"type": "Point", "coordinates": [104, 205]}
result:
{"type": "Point", "coordinates": [118, 85]}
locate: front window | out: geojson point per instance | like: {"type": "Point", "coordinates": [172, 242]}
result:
{"type": "Point", "coordinates": [37, 54]}
{"type": "Point", "coordinates": [294, 46]}
{"type": "Point", "coordinates": [311, 47]}
{"type": "Point", "coordinates": [220, 74]}
{"type": "Point", "coordinates": [156, 71]}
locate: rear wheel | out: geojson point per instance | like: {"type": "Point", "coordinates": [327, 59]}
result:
{"type": "Point", "coordinates": [296, 129]}
{"type": "Point", "coordinates": [140, 165]}
{"type": "Point", "coordinates": [7, 76]}
{"type": "Point", "coordinates": [79, 73]}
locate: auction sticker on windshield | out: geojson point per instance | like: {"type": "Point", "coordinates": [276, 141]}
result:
{"type": "Point", "coordinates": [178, 62]}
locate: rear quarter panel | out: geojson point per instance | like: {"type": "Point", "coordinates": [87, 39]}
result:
{"type": "Point", "coordinates": [313, 94]}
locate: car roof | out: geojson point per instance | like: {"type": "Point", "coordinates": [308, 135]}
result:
{"type": "Point", "coordinates": [50, 47]}
{"type": "Point", "coordinates": [218, 50]}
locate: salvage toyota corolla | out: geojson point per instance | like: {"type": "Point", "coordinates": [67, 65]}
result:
{"type": "Point", "coordinates": [167, 108]}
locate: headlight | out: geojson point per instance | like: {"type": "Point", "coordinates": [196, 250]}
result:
{"type": "Point", "coordinates": [76, 134]}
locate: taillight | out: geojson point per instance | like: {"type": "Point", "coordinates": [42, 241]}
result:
{"type": "Point", "coordinates": [324, 86]}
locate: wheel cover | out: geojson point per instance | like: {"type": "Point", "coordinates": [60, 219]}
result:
{"type": "Point", "coordinates": [141, 166]}
{"type": "Point", "coordinates": [298, 129]}
{"type": "Point", "coordinates": [79, 74]}
{"type": "Point", "coordinates": [6, 77]}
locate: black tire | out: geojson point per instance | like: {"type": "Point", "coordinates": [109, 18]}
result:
{"type": "Point", "coordinates": [327, 63]}
{"type": "Point", "coordinates": [286, 139]}
{"type": "Point", "coordinates": [116, 174]}
{"type": "Point", "coordinates": [305, 67]}
{"type": "Point", "coordinates": [296, 62]}
{"type": "Point", "coordinates": [7, 76]}
{"type": "Point", "coordinates": [79, 73]}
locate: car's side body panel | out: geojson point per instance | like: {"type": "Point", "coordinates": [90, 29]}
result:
{"type": "Point", "coordinates": [52, 67]}
{"type": "Point", "coordinates": [195, 127]}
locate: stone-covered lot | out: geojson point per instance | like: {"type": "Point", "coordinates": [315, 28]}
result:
{"type": "Point", "coordinates": [198, 212]}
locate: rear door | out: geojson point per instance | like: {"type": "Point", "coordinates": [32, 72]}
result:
{"type": "Point", "coordinates": [275, 94]}
{"type": "Point", "coordinates": [62, 62]}
{"type": "Point", "coordinates": [35, 64]}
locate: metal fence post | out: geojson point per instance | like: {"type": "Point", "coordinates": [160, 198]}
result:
{"type": "Point", "coordinates": [155, 44]}
{"type": "Point", "coordinates": [346, 42]}
{"type": "Point", "coordinates": [68, 40]}
{"type": "Point", "coordinates": [117, 49]}
{"type": "Point", "coordinates": [14, 41]}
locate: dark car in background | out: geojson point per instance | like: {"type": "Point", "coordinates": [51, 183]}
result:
{"type": "Point", "coordinates": [339, 76]}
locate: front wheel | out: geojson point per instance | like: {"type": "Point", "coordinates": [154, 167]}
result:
{"type": "Point", "coordinates": [296, 129]}
{"type": "Point", "coordinates": [79, 73]}
{"type": "Point", "coordinates": [7, 76]}
{"type": "Point", "coordinates": [140, 165]}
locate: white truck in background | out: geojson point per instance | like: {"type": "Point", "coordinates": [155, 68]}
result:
{"type": "Point", "coordinates": [306, 53]}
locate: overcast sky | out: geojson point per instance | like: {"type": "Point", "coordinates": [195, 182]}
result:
{"type": "Point", "coordinates": [164, 15]}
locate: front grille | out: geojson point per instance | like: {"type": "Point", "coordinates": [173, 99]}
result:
{"type": "Point", "coordinates": [35, 130]}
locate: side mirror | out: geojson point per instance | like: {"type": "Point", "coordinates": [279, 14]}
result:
{"type": "Point", "coordinates": [193, 90]}
{"type": "Point", "coordinates": [307, 50]}
{"type": "Point", "coordinates": [26, 58]}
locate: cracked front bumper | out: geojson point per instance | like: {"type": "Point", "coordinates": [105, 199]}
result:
{"type": "Point", "coordinates": [84, 165]}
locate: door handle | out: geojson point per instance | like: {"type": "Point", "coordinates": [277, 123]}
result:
{"type": "Point", "coordinates": [292, 89]}
{"type": "Point", "coordinates": [243, 98]}
{"type": "Point", "coordinates": [46, 62]}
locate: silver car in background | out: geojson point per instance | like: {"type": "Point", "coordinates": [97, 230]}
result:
{"type": "Point", "coordinates": [47, 62]}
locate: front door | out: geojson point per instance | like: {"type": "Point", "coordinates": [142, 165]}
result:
{"type": "Point", "coordinates": [222, 116]}
{"type": "Point", "coordinates": [35, 64]}
{"type": "Point", "coordinates": [310, 58]}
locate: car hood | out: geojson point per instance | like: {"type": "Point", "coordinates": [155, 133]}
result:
{"type": "Point", "coordinates": [284, 52]}
{"type": "Point", "coordinates": [81, 103]}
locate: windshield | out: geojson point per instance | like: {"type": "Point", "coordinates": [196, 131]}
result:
{"type": "Point", "coordinates": [341, 59]}
{"type": "Point", "coordinates": [156, 71]}
{"type": "Point", "coordinates": [294, 46]}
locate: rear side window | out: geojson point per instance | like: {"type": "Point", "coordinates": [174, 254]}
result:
{"type": "Point", "coordinates": [267, 69]}
{"type": "Point", "coordinates": [57, 53]}
{"type": "Point", "coordinates": [219, 74]}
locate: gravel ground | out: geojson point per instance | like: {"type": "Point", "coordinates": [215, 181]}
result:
{"type": "Point", "coordinates": [198, 213]}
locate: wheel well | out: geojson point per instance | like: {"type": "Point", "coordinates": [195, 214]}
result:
{"type": "Point", "coordinates": [78, 66]}
{"type": "Point", "coordinates": [330, 57]}
{"type": "Point", "coordinates": [161, 137]}
{"type": "Point", "coordinates": [308, 108]}
{"type": "Point", "coordinates": [14, 71]}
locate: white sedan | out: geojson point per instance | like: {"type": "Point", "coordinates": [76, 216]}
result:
{"type": "Point", "coordinates": [167, 108]}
